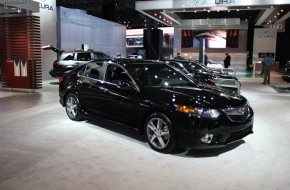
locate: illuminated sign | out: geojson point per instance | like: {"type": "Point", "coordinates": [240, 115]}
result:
{"type": "Point", "coordinates": [224, 2]}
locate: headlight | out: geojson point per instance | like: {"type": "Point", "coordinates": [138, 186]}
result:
{"type": "Point", "coordinates": [200, 112]}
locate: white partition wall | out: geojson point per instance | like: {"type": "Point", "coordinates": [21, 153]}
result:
{"type": "Point", "coordinates": [264, 41]}
{"type": "Point", "coordinates": [48, 15]}
{"type": "Point", "coordinates": [77, 28]}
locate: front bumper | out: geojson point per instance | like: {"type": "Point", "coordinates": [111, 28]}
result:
{"type": "Point", "coordinates": [222, 134]}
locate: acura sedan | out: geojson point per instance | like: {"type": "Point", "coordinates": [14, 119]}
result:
{"type": "Point", "coordinates": [158, 100]}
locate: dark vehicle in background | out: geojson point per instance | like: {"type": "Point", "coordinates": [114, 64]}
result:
{"type": "Point", "coordinates": [286, 74]}
{"type": "Point", "coordinates": [67, 61]}
{"type": "Point", "coordinates": [205, 75]}
{"type": "Point", "coordinates": [158, 100]}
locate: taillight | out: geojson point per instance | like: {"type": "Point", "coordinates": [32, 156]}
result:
{"type": "Point", "coordinates": [55, 62]}
{"type": "Point", "coordinates": [61, 79]}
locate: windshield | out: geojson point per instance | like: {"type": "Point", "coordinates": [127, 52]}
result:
{"type": "Point", "coordinates": [158, 75]}
{"type": "Point", "coordinates": [195, 66]}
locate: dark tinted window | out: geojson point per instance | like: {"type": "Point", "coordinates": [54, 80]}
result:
{"type": "Point", "coordinates": [84, 56]}
{"type": "Point", "coordinates": [99, 55]}
{"type": "Point", "coordinates": [67, 56]}
{"type": "Point", "coordinates": [116, 74]}
{"type": "Point", "coordinates": [93, 70]}
{"type": "Point", "coordinates": [157, 75]}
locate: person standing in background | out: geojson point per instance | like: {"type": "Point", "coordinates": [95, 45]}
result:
{"type": "Point", "coordinates": [178, 56]}
{"type": "Point", "coordinates": [267, 63]}
{"type": "Point", "coordinates": [227, 60]}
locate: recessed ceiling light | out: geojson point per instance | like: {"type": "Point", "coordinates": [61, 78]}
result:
{"type": "Point", "coordinates": [248, 7]}
{"type": "Point", "coordinates": [238, 10]}
{"type": "Point", "coordinates": [208, 11]}
{"type": "Point", "coordinates": [282, 10]}
{"type": "Point", "coordinates": [204, 9]}
{"type": "Point", "coordinates": [195, 11]}
{"type": "Point", "coordinates": [275, 16]}
{"type": "Point", "coordinates": [229, 11]}
{"type": "Point", "coordinates": [155, 14]}
{"type": "Point", "coordinates": [278, 13]}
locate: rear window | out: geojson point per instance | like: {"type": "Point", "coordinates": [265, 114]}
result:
{"type": "Point", "coordinates": [84, 56]}
{"type": "Point", "coordinates": [67, 56]}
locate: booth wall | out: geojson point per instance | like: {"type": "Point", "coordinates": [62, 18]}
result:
{"type": "Point", "coordinates": [77, 28]}
{"type": "Point", "coordinates": [48, 18]}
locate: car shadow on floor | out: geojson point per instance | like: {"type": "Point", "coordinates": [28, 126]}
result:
{"type": "Point", "coordinates": [119, 129]}
{"type": "Point", "coordinates": [131, 133]}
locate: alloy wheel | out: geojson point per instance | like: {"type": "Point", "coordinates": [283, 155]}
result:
{"type": "Point", "coordinates": [158, 133]}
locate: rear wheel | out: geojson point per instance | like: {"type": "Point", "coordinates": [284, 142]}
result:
{"type": "Point", "coordinates": [72, 107]}
{"type": "Point", "coordinates": [159, 133]}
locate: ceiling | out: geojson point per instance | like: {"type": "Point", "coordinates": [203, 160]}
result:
{"type": "Point", "coordinates": [124, 12]}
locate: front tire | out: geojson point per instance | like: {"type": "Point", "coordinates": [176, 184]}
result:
{"type": "Point", "coordinates": [159, 133]}
{"type": "Point", "coordinates": [72, 107]}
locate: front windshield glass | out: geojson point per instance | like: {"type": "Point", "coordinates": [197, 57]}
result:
{"type": "Point", "coordinates": [158, 75]}
{"type": "Point", "coordinates": [194, 66]}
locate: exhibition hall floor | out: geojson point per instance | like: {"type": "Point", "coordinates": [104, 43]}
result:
{"type": "Point", "coordinates": [40, 148]}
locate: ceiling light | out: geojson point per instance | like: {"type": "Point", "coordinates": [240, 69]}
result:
{"type": "Point", "coordinates": [238, 10]}
{"type": "Point", "coordinates": [208, 11]}
{"type": "Point", "coordinates": [272, 7]}
{"type": "Point", "coordinates": [270, 21]}
{"type": "Point", "coordinates": [164, 19]}
{"type": "Point", "coordinates": [282, 10]}
{"type": "Point", "coordinates": [194, 11]}
{"type": "Point", "coordinates": [159, 16]}
{"type": "Point", "coordinates": [229, 11]}
{"type": "Point", "coordinates": [248, 7]}
{"type": "Point", "coordinates": [19, 10]}
{"type": "Point", "coordinates": [278, 13]}
{"type": "Point", "coordinates": [204, 9]}
{"type": "Point", "coordinates": [155, 14]}
{"type": "Point", "coordinates": [218, 10]}
{"type": "Point", "coordinates": [275, 16]}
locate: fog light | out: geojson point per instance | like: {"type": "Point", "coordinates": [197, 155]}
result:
{"type": "Point", "coordinates": [207, 138]}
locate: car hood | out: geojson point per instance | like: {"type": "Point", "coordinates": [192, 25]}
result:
{"type": "Point", "coordinates": [199, 96]}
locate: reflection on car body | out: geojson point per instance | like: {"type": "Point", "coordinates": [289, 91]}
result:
{"type": "Point", "coordinates": [166, 105]}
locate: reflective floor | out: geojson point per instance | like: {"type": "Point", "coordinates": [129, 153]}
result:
{"type": "Point", "coordinates": [40, 148]}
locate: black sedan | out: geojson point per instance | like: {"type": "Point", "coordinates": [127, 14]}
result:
{"type": "Point", "coordinates": [157, 99]}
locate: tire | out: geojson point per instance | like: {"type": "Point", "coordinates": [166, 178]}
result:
{"type": "Point", "coordinates": [72, 107]}
{"type": "Point", "coordinates": [159, 133]}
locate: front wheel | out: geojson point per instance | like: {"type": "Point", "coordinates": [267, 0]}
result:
{"type": "Point", "coordinates": [159, 133]}
{"type": "Point", "coordinates": [72, 107]}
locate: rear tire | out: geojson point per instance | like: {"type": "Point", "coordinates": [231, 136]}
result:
{"type": "Point", "coordinates": [159, 133]}
{"type": "Point", "coordinates": [72, 107]}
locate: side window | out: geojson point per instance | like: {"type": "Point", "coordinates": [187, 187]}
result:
{"type": "Point", "coordinates": [84, 56]}
{"type": "Point", "coordinates": [116, 74]}
{"type": "Point", "coordinates": [99, 55]}
{"type": "Point", "coordinates": [67, 56]}
{"type": "Point", "coordinates": [93, 70]}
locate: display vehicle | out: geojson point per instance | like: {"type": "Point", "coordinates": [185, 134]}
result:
{"type": "Point", "coordinates": [158, 100]}
{"type": "Point", "coordinates": [205, 75]}
{"type": "Point", "coordinates": [67, 61]}
{"type": "Point", "coordinates": [286, 73]}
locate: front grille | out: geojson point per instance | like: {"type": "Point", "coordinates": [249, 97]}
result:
{"type": "Point", "coordinates": [239, 114]}
{"type": "Point", "coordinates": [239, 134]}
